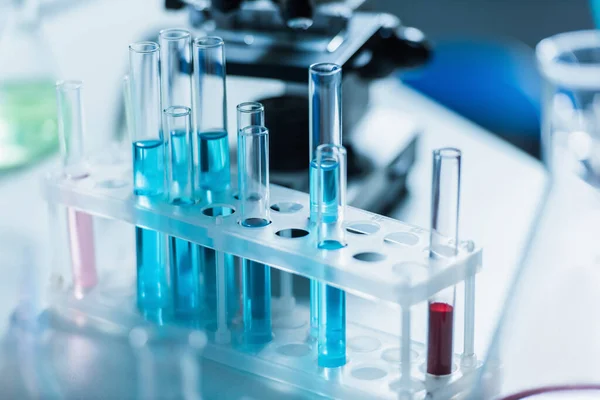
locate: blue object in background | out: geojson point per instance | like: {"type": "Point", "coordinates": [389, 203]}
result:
{"type": "Point", "coordinates": [494, 83]}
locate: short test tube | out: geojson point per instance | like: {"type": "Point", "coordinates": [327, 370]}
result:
{"type": "Point", "coordinates": [253, 181]}
{"type": "Point", "coordinates": [148, 146]}
{"type": "Point", "coordinates": [331, 193]}
{"type": "Point", "coordinates": [80, 225]}
{"type": "Point", "coordinates": [183, 255]}
{"type": "Point", "coordinates": [445, 198]}
{"type": "Point", "coordinates": [325, 127]}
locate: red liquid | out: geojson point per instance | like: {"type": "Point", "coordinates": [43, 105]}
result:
{"type": "Point", "coordinates": [439, 343]}
{"type": "Point", "coordinates": [558, 392]}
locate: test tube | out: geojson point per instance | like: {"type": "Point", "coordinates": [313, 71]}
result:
{"type": "Point", "coordinates": [445, 199]}
{"type": "Point", "coordinates": [253, 178]}
{"type": "Point", "coordinates": [80, 225]}
{"type": "Point", "coordinates": [331, 192]}
{"type": "Point", "coordinates": [213, 166]}
{"type": "Point", "coordinates": [210, 106]}
{"type": "Point", "coordinates": [183, 255]}
{"type": "Point", "coordinates": [325, 127]}
{"type": "Point", "coordinates": [148, 146]}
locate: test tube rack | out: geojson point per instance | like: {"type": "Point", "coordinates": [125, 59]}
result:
{"type": "Point", "coordinates": [385, 260]}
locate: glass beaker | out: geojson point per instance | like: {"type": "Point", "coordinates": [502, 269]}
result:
{"type": "Point", "coordinates": [547, 343]}
{"type": "Point", "coordinates": [28, 128]}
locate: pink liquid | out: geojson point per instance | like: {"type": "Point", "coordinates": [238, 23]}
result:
{"type": "Point", "coordinates": [575, 392]}
{"type": "Point", "coordinates": [439, 343]}
{"type": "Point", "coordinates": [83, 257]}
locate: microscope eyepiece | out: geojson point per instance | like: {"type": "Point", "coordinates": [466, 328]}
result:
{"type": "Point", "coordinates": [298, 14]}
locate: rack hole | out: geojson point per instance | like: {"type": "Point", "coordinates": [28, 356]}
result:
{"type": "Point", "coordinates": [394, 355]}
{"type": "Point", "coordinates": [368, 373]}
{"type": "Point", "coordinates": [362, 228]}
{"type": "Point", "coordinates": [403, 238]}
{"type": "Point", "coordinates": [292, 233]}
{"type": "Point", "coordinates": [255, 222]}
{"type": "Point", "coordinates": [286, 207]}
{"type": "Point", "coordinates": [236, 196]}
{"type": "Point", "coordinates": [294, 350]}
{"type": "Point", "coordinates": [364, 344]}
{"type": "Point", "coordinates": [331, 245]}
{"type": "Point", "coordinates": [218, 211]}
{"type": "Point", "coordinates": [369, 256]}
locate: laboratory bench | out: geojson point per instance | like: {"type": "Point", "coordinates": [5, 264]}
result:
{"type": "Point", "coordinates": [502, 188]}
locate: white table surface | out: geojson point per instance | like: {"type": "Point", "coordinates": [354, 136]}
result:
{"type": "Point", "coordinates": [501, 185]}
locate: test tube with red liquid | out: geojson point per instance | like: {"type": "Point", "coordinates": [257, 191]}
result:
{"type": "Point", "coordinates": [445, 199]}
{"type": "Point", "coordinates": [79, 224]}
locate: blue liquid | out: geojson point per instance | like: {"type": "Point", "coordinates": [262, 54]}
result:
{"type": "Point", "coordinates": [148, 167]}
{"type": "Point", "coordinates": [332, 327]}
{"type": "Point", "coordinates": [187, 300]}
{"type": "Point", "coordinates": [329, 190]}
{"type": "Point", "coordinates": [181, 173]}
{"type": "Point", "coordinates": [209, 271]}
{"type": "Point", "coordinates": [213, 160]}
{"type": "Point", "coordinates": [148, 180]}
{"type": "Point", "coordinates": [152, 287]}
{"type": "Point", "coordinates": [257, 302]}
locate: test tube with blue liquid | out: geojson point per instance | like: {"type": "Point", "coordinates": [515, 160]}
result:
{"type": "Point", "coordinates": [148, 147]}
{"type": "Point", "coordinates": [325, 127]}
{"type": "Point", "coordinates": [331, 193]}
{"type": "Point", "coordinates": [80, 225]}
{"type": "Point", "coordinates": [176, 86]}
{"type": "Point", "coordinates": [253, 183]}
{"type": "Point", "coordinates": [213, 175]}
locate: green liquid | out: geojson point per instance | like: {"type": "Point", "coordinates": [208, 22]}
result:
{"type": "Point", "coordinates": [28, 127]}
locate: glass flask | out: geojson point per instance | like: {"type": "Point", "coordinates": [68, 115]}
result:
{"type": "Point", "coordinates": [547, 344]}
{"type": "Point", "coordinates": [28, 128]}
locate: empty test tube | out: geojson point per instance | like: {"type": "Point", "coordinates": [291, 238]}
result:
{"type": "Point", "coordinates": [175, 67]}
{"type": "Point", "coordinates": [445, 199]}
{"type": "Point", "coordinates": [325, 127]}
{"type": "Point", "coordinates": [148, 147]}
{"type": "Point", "coordinates": [253, 178]}
{"type": "Point", "coordinates": [331, 189]}
{"type": "Point", "coordinates": [213, 165]}
{"type": "Point", "coordinates": [80, 225]}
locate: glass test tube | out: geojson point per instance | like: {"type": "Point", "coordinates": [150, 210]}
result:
{"type": "Point", "coordinates": [445, 199]}
{"type": "Point", "coordinates": [183, 255]}
{"type": "Point", "coordinates": [253, 178]}
{"type": "Point", "coordinates": [331, 189]}
{"type": "Point", "coordinates": [80, 225]}
{"type": "Point", "coordinates": [148, 172]}
{"type": "Point", "coordinates": [176, 98]}
{"type": "Point", "coordinates": [325, 127]}
{"type": "Point", "coordinates": [210, 104]}
{"type": "Point", "coordinates": [212, 151]}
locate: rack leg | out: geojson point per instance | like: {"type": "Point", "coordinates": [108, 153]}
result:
{"type": "Point", "coordinates": [468, 358]}
{"type": "Point", "coordinates": [223, 335]}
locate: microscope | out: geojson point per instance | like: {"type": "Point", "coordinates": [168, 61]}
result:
{"type": "Point", "coordinates": [279, 40]}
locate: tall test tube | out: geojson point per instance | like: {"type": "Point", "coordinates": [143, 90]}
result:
{"type": "Point", "coordinates": [325, 127]}
{"type": "Point", "coordinates": [213, 165]}
{"type": "Point", "coordinates": [176, 100]}
{"type": "Point", "coordinates": [80, 225]}
{"type": "Point", "coordinates": [253, 178]}
{"type": "Point", "coordinates": [148, 146]}
{"type": "Point", "coordinates": [331, 192]}
{"type": "Point", "coordinates": [445, 199]}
